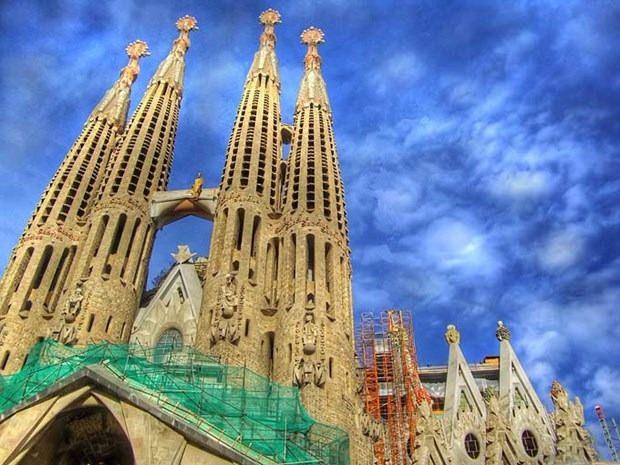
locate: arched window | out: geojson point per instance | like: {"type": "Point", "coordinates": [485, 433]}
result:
{"type": "Point", "coordinates": [171, 340]}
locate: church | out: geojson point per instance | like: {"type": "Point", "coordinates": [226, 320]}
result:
{"type": "Point", "coordinates": [248, 355]}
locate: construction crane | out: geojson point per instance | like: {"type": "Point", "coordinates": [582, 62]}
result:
{"type": "Point", "coordinates": [600, 413]}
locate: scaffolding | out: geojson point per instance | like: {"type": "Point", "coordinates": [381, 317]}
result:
{"type": "Point", "coordinates": [246, 411]}
{"type": "Point", "coordinates": [392, 388]}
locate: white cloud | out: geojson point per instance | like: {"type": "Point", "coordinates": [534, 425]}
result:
{"type": "Point", "coordinates": [561, 250]}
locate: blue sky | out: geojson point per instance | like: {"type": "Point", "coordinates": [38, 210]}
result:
{"type": "Point", "coordinates": [479, 143]}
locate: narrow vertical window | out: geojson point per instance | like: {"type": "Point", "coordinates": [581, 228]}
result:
{"type": "Point", "coordinates": [239, 228]}
{"type": "Point", "coordinates": [310, 257]}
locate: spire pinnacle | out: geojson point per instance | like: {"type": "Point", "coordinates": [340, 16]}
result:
{"type": "Point", "coordinates": [173, 67]}
{"type": "Point", "coordinates": [265, 61]}
{"type": "Point", "coordinates": [115, 103]}
{"type": "Point", "coordinates": [135, 50]}
{"type": "Point", "coordinates": [312, 37]}
{"type": "Point", "coordinates": [185, 25]}
{"type": "Point", "coordinates": [312, 89]}
{"type": "Point", "coordinates": [269, 18]}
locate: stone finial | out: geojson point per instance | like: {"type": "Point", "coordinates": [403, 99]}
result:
{"type": "Point", "coordinates": [135, 50]}
{"type": "Point", "coordinates": [502, 333]}
{"type": "Point", "coordinates": [312, 37]}
{"type": "Point", "coordinates": [452, 335]}
{"type": "Point", "coordinates": [185, 25]}
{"type": "Point", "coordinates": [183, 254]}
{"type": "Point", "coordinates": [269, 18]}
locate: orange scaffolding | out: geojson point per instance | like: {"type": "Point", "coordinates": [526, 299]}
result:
{"type": "Point", "coordinates": [392, 388]}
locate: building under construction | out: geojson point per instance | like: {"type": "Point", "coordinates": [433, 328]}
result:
{"type": "Point", "coordinates": [461, 413]}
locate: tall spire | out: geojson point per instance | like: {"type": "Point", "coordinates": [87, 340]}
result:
{"type": "Point", "coordinates": [265, 61]}
{"type": "Point", "coordinates": [112, 263]}
{"type": "Point", "coordinates": [313, 89]}
{"type": "Point", "coordinates": [172, 69]}
{"type": "Point", "coordinates": [313, 175]}
{"type": "Point", "coordinates": [43, 260]}
{"type": "Point", "coordinates": [115, 103]}
{"type": "Point", "coordinates": [241, 262]}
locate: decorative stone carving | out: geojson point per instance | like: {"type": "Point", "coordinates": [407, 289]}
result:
{"type": "Point", "coordinates": [502, 333]}
{"type": "Point", "coordinates": [495, 427]}
{"type": "Point", "coordinates": [371, 427]}
{"type": "Point", "coordinates": [310, 334]}
{"type": "Point", "coordinates": [269, 18]}
{"type": "Point", "coordinates": [73, 306]}
{"type": "Point", "coordinates": [224, 327]}
{"type": "Point", "coordinates": [67, 331]}
{"type": "Point", "coordinates": [452, 335]}
{"type": "Point", "coordinates": [572, 439]}
{"type": "Point", "coordinates": [430, 435]}
{"type": "Point", "coordinates": [183, 254]}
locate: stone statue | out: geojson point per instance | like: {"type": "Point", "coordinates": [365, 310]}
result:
{"type": "Point", "coordinates": [494, 427]}
{"type": "Point", "coordinates": [230, 300]}
{"type": "Point", "coordinates": [310, 335]}
{"type": "Point", "coordinates": [196, 189]}
{"type": "Point", "coordinates": [502, 333]}
{"type": "Point", "coordinates": [308, 372]}
{"type": "Point", "coordinates": [573, 440]}
{"type": "Point", "coordinates": [73, 306]}
{"type": "Point", "coordinates": [224, 327]}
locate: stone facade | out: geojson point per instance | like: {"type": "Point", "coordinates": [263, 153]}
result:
{"type": "Point", "coordinates": [490, 414]}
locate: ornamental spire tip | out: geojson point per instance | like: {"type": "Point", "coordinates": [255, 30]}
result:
{"type": "Point", "coordinates": [312, 37]}
{"type": "Point", "coordinates": [269, 18]}
{"type": "Point", "coordinates": [187, 23]}
{"type": "Point", "coordinates": [135, 50]}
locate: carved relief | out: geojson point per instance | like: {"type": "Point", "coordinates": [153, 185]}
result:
{"type": "Point", "coordinates": [495, 427]}
{"type": "Point", "coordinates": [310, 367]}
{"type": "Point", "coordinates": [371, 427]}
{"type": "Point", "coordinates": [67, 331]}
{"type": "Point", "coordinates": [572, 438]}
{"type": "Point", "coordinates": [429, 431]}
{"type": "Point", "coordinates": [226, 325]}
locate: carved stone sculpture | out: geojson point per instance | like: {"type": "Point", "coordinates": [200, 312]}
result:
{"type": "Point", "coordinates": [495, 426]}
{"type": "Point", "coordinates": [310, 335]}
{"type": "Point", "coordinates": [572, 438]}
{"type": "Point", "coordinates": [224, 327]}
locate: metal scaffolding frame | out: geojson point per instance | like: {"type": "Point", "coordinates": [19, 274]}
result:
{"type": "Point", "coordinates": [392, 389]}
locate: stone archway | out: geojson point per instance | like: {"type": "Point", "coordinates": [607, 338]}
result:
{"type": "Point", "coordinates": [87, 435]}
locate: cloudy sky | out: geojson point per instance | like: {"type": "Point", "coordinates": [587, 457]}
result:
{"type": "Point", "coordinates": [479, 143]}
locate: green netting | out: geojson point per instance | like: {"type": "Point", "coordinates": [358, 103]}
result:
{"type": "Point", "coordinates": [233, 403]}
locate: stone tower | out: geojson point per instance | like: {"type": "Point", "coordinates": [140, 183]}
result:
{"type": "Point", "coordinates": [239, 300]}
{"type": "Point", "coordinates": [314, 344]}
{"type": "Point", "coordinates": [42, 259]}
{"type": "Point", "coordinates": [112, 265]}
